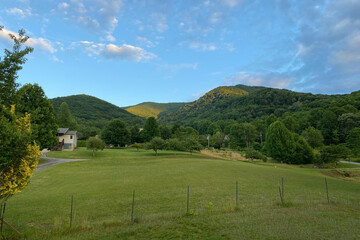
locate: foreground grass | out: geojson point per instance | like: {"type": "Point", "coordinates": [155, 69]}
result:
{"type": "Point", "coordinates": [102, 188]}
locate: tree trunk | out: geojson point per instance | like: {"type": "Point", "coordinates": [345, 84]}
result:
{"type": "Point", "coordinates": [93, 153]}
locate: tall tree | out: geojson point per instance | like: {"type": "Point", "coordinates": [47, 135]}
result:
{"type": "Point", "coordinates": [116, 133]}
{"type": "Point", "coordinates": [151, 129]}
{"type": "Point", "coordinates": [313, 136]}
{"type": "Point", "coordinates": [18, 153]}
{"type": "Point", "coordinates": [32, 99]}
{"type": "Point", "coordinates": [353, 141]}
{"type": "Point", "coordinates": [10, 64]}
{"type": "Point", "coordinates": [65, 119]}
{"type": "Point", "coordinates": [135, 134]}
{"type": "Point", "coordinates": [243, 134]}
{"type": "Point", "coordinates": [280, 142]}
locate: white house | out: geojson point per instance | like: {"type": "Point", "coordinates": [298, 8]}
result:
{"type": "Point", "coordinates": [67, 139]}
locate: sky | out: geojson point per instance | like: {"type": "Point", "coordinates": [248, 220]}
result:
{"type": "Point", "coordinates": [131, 51]}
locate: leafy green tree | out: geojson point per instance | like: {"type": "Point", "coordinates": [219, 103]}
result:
{"type": "Point", "coordinates": [65, 119]}
{"type": "Point", "coordinates": [95, 144]}
{"type": "Point", "coordinates": [183, 133]}
{"type": "Point", "coordinates": [313, 137]}
{"type": "Point", "coordinates": [290, 123]}
{"type": "Point", "coordinates": [19, 155]}
{"type": "Point", "coordinates": [10, 64]}
{"type": "Point", "coordinates": [353, 141]}
{"type": "Point", "coordinates": [217, 140]}
{"type": "Point", "coordinates": [243, 134]}
{"type": "Point", "coordinates": [174, 128]}
{"type": "Point", "coordinates": [135, 134]}
{"type": "Point", "coordinates": [347, 122]}
{"type": "Point", "coordinates": [270, 119]}
{"type": "Point", "coordinates": [280, 142]}
{"type": "Point", "coordinates": [174, 144]}
{"type": "Point", "coordinates": [138, 146]}
{"type": "Point", "coordinates": [303, 153]}
{"type": "Point", "coordinates": [151, 129]}
{"type": "Point", "coordinates": [213, 128]}
{"type": "Point", "coordinates": [165, 132]}
{"type": "Point", "coordinates": [334, 153]}
{"type": "Point", "coordinates": [157, 143]}
{"type": "Point", "coordinates": [32, 99]}
{"type": "Point", "coordinates": [192, 144]}
{"type": "Point", "coordinates": [116, 133]}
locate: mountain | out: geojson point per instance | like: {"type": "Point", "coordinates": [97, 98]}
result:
{"type": "Point", "coordinates": [152, 109]}
{"type": "Point", "coordinates": [245, 104]}
{"type": "Point", "coordinates": [94, 113]}
{"type": "Point", "coordinates": [204, 106]}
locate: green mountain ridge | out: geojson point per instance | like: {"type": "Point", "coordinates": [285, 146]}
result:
{"type": "Point", "coordinates": [256, 102]}
{"type": "Point", "coordinates": [93, 113]}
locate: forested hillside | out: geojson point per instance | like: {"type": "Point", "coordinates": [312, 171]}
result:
{"type": "Point", "coordinates": [252, 104]}
{"type": "Point", "coordinates": [200, 108]}
{"type": "Point", "coordinates": [152, 109]}
{"type": "Point", "coordinates": [92, 114]}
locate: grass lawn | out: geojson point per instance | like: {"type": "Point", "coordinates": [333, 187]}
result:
{"type": "Point", "coordinates": [102, 188]}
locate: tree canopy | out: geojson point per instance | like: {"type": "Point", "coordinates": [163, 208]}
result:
{"type": "Point", "coordinates": [116, 133]}
{"type": "Point", "coordinates": [32, 99]}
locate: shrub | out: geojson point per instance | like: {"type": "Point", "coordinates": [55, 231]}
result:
{"type": "Point", "coordinates": [254, 154]}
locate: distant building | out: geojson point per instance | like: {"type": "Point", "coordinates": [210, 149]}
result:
{"type": "Point", "coordinates": [67, 139]}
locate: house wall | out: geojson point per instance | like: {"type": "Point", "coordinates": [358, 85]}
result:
{"type": "Point", "coordinates": [70, 144]}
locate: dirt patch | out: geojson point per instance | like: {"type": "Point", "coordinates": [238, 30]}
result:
{"type": "Point", "coordinates": [347, 175]}
{"type": "Point", "coordinates": [226, 155]}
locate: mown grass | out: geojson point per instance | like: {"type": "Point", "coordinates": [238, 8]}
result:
{"type": "Point", "coordinates": [102, 189]}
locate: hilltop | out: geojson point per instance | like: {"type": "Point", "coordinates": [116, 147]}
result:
{"type": "Point", "coordinates": [153, 109]}
{"type": "Point", "coordinates": [94, 113]}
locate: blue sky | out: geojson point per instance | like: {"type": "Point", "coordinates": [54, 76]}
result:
{"type": "Point", "coordinates": [131, 51]}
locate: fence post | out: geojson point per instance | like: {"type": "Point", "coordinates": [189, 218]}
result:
{"type": "Point", "coordinates": [327, 192]}
{"type": "Point", "coordinates": [71, 210]}
{"type": "Point", "coordinates": [237, 192]}
{"type": "Point", "coordinates": [187, 202]}
{"type": "Point", "coordinates": [132, 207]}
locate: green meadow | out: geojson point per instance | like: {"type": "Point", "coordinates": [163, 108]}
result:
{"type": "Point", "coordinates": [102, 189]}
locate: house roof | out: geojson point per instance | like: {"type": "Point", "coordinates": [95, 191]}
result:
{"type": "Point", "coordinates": [66, 131]}
{"type": "Point", "coordinates": [63, 130]}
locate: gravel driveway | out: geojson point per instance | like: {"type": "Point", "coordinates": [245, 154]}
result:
{"type": "Point", "coordinates": [54, 161]}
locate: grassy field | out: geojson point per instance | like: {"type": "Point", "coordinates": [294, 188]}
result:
{"type": "Point", "coordinates": [102, 188]}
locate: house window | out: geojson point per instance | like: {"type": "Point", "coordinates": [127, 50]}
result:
{"type": "Point", "coordinates": [71, 137]}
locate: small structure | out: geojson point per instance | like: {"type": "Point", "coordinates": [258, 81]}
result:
{"type": "Point", "coordinates": [67, 139]}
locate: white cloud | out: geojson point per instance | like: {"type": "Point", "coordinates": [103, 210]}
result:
{"type": "Point", "coordinates": [144, 41]}
{"type": "Point", "coordinates": [98, 16]}
{"type": "Point", "coordinates": [36, 43]}
{"type": "Point", "coordinates": [19, 12]}
{"type": "Point", "coordinates": [202, 46]}
{"type": "Point", "coordinates": [127, 52]}
{"type": "Point", "coordinates": [274, 80]}
{"type": "Point", "coordinates": [63, 5]}
{"type": "Point", "coordinates": [160, 22]}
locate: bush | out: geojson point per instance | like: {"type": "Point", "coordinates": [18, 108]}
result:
{"type": "Point", "coordinates": [254, 154]}
{"type": "Point", "coordinates": [81, 143]}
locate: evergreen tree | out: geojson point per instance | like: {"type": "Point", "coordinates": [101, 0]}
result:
{"type": "Point", "coordinates": [135, 134]}
{"type": "Point", "coordinates": [280, 143]}
{"type": "Point", "coordinates": [116, 133]}
{"type": "Point", "coordinates": [10, 64]}
{"type": "Point", "coordinates": [32, 99]}
{"type": "Point", "coordinates": [151, 129]}
{"type": "Point", "coordinates": [65, 119]}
